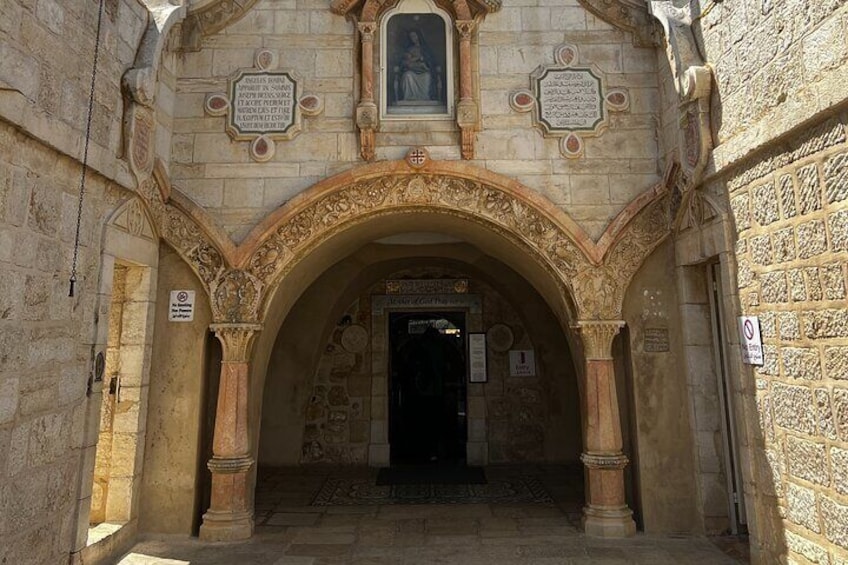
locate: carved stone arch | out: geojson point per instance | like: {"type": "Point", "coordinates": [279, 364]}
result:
{"type": "Point", "coordinates": [594, 274]}
{"type": "Point", "coordinates": [186, 228]}
{"type": "Point", "coordinates": [627, 15]}
{"type": "Point", "coordinates": [206, 17]}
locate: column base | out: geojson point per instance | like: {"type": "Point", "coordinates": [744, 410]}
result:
{"type": "Point", "coordinates": [608, 523]}
{"type": "Point", "coordinates": [226, 526]}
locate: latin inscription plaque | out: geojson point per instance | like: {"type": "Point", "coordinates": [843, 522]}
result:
{"type": "Point", "coordinates": [263, 103]}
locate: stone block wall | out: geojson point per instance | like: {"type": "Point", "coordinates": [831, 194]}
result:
{"type": "Point", "coordinates": [790, 206]}
{"type": "Point", "coordinates": [46, 343]}
{"type": "Point", "coordinates": [46, 54]}
{"type": "Point", "coordinates": [323, 50]}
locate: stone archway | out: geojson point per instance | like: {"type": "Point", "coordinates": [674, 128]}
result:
{"type": "Point", "coordinates": [589, 277]}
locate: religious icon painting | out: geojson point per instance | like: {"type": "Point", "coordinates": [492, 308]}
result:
{"type": "Point", "coordinates": [417, 65]}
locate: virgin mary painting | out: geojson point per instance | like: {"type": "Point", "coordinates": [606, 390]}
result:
{"type": "Point", "coordinates": [416, 58]}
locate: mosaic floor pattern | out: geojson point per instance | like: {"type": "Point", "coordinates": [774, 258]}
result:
{"type": "Point", "coordinates": [346, 492]}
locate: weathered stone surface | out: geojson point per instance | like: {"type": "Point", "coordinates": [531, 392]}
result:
{"type": "Point", "coordinates": [835, 519]}
{"type": "Point", "coordinates": [786, 188]}
{"type": "Point", "coordinates": [807, 460]}
{"type": "Point", "coordinates": [839, 397]}
{"type": "Point", "coordinates": [762, 251]}
{"type": "Point", "coordinates": [838, 227]}
{"type": "Point", "coordinates": [833, 280]}
{"type": "Point", "coordinates": [773, 287]}
{"type": "Point", "coordinates": [784, 245]}
{"type": "Point", "coordinates": [809, 189]}
{"type": "Point", "coordinates": [824, 414]}
{"type": "Point", "coordinates": [836, 178]}
{"type": "Point", "coordinates": [826, 323]}
{"type": "Point", "coordinates": [801, 507]}
{"type": "Point", "coordinates": [801, 363]}
{"type": "Point", "coordinates": [813, 552]}
{"type": "Point", "coordinates": [789, 326]}
{"type": "Point", "coordinates": [812, 239]}
{"type": "Point", "coordinates": [793, 407]}
{"type": "Point", "coordinates": [836, 362]}
{"type": "Point", "coordinates": [839, 469]}
{"type": "Point", "coordinates": [765, 204]}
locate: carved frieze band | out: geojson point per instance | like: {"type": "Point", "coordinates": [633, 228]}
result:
{"type": "Point", "coordinates": [472, 199]}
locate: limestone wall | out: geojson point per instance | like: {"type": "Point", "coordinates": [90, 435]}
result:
{"type": "Point", "coordinates": [778, 65]}
{"type": "Point", "coordinates": [46, 344]}
{"type": "Point", "coordinates": [46, 53]}
{"type": "Point", "coordinates": [662, 441]}
{"type": "Point", "coordinates": [322, 49]}
{"type": "Point", "coordinates": [790, 206]}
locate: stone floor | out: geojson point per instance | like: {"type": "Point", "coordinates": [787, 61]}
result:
{"type": "Point", "coordinates": [376, 530]}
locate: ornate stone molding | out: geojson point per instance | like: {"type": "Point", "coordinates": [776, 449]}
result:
{"type": "Point", "coordinates": [693, 83]}
{"type": "Point", "coordinates": [228, 466]}
{"type": "Point", "coordinates": [627, 15]}
{"type": "Point", "coordinates": [134, 219]}
{"type": "Point", "coordinates": [597, 337]}
{"type": "Point", "coordinates": [140, 80]}
{"type": "Point", "coordinates": [211, 17]}
{"type": "Point", "coordinates": [235, 340]}
{"type": "Point", "coordinates": [604, 460]}
{"type": "Point", "coordinates": [468, 8]}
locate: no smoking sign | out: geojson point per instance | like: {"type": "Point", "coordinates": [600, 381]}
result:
{"type": "Point", "coordinates": [181, 308]}
{"type": "Point", "coordinates": [752, 343]}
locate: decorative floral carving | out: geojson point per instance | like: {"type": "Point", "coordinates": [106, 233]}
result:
{"type": "Point", "coordinates": [236, 296]}
{"type": "Point", "coordinates": [629, 15]}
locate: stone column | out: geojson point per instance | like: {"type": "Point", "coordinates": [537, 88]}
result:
{"type": "Point", "coordinates": [606, 513]}
{"type": "Point", "coordinates": [230, 514]}
{"type": "Point", "coordinates": [466, 111]}
{"type": "Point", "coordinates": [366, 110]}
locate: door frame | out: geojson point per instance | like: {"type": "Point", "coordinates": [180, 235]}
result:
{"type": "Point", "coordinates": [379, 449]}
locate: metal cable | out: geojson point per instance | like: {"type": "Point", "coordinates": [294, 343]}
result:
{"type": "Point", "coordinates": [73, 278]}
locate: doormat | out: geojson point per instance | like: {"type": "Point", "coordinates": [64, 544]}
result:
{"type": "Point", "coordinates": [354, 492]}
{"type": "Point", "coordinates": [428, 474]}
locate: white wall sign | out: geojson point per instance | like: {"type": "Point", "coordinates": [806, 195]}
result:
{"type": "Point", "coordinates": [522, 363]}
{"type": "Point", "coordinates": [752, 343]}
{"type": "Point", "coordinates": [181, 306]}
{"type": "Point", "coordinates": [477, 358]}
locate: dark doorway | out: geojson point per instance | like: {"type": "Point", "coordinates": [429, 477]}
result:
{"type": "Point", "coordinates": [427, 422]}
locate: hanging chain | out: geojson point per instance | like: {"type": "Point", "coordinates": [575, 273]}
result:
{"type": "Point", "coordinates": [73, 278]}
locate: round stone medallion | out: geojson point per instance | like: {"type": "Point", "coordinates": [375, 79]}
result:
{"type": "Point", "coordinates": [355, 338]}
{"type": "Point", "coordinates": [499, 337]}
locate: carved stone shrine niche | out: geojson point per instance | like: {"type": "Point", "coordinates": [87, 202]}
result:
{"type": "Point", "coordinates": [263, 104]}
{"type": "Point", "coordinates": [570, 101]}
{"type": "Point", "coordinates": [419, 42]}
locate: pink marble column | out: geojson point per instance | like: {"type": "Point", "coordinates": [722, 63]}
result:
{"type": "Point", "coordinates": [230, 514]}
{"type": "Point", "coordinates": [466, 111]}
{"type": "Point", "coordinates": [366, 110]}
{"type": "Point", "coordinates": [606, 513]}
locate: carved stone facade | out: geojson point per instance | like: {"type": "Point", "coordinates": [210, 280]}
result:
{"type": "Point", "coordinates": [711, 184]}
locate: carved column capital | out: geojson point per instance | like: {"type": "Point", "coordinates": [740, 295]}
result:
{"type": "Point", "coordinates": [465, 28]}
{"type": "Point", "coordinates": [235, 340]}
{"type": "Point", "coordinates": [367, 30]}
{"type": "Point", "coordinates": [597, 337]}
